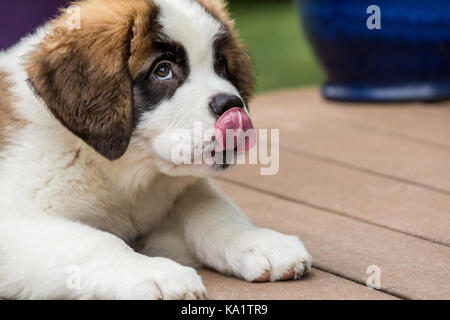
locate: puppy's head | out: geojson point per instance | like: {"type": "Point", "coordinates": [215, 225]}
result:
{"type": "Point", "coordinates": [143, 78]}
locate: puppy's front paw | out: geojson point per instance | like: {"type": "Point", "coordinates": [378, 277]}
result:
{"type": "Point", "coordinates": [262, 255]}
{"type": "Point", "coordinates": [152, 279]}
{"type": "Point", "coordinates": [177, 282]}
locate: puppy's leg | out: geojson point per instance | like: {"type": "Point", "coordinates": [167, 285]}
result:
{"type": "Point", "coordinates": [222, 237]}
{"type": "Point", "coordinates": [169, 242]}
{"type": "Point", "coordinates": [44, 257]}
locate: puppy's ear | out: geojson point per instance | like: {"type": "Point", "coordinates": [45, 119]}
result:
{"type": "Point", "coordinates": [82, 72]}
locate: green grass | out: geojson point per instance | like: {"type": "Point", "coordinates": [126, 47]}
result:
{"type": "Point", "coordinates": [272, 33]}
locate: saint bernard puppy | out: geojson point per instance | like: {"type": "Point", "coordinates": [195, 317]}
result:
{"type": "Point", "coordinates": [92, 203]}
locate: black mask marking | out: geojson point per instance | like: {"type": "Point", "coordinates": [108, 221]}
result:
{"type": "Point", "coordinates": [149, 90]}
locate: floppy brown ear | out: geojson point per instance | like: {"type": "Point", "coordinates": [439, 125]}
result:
{"type": "Point", "coordinates": [83, 75]}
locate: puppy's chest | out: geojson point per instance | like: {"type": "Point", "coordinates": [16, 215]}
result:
{"type": "Point", "coordinates": [98, 204]}
{"type": "Point", "coordinates": [131, 218]}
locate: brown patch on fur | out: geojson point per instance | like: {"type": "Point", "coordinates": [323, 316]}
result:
{"type": "Point", "coordinates": [8, 120]}
{"type": "Point", "coordinates": [144, 30]}
{"type": "Point", "coordinates": [85, 75]}
{"type": "Point", "coordinates": [239, 62]}
{"type": "Point", "coordinates": [218, 9]}
{"type": "Point", "coordinates": [240, 68]}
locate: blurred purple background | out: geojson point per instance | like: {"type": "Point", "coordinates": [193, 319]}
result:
{"type": "Point", "coordinates": [20, 17]}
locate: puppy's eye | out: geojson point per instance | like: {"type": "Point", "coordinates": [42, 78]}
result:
{"type": "Point", "coordinates": [163, 71]}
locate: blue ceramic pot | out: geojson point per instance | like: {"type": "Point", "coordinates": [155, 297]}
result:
{"type": "Point", "coordinates": [407, 59]}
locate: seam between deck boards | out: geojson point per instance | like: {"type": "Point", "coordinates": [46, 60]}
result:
{"type": "Point", "coordinates": [395, 135]}
{"type": "Point", "coordinates": [343, 164]}
{"type": "Point", "coordinates": [359, 283]}
{"type": "Point", "coordinates": [336, 274]}
{"type": "Point", "coordinates": [332, 211]}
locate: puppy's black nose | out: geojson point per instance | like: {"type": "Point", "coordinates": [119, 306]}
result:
{"type": "Point", "coordinates": [222, 102]}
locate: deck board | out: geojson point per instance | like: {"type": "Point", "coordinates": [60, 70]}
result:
{"type": "Point", "coordinates": [316, 286]}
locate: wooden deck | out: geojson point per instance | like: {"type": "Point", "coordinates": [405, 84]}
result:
{"type": "Point", "coordinates": [362, 185]}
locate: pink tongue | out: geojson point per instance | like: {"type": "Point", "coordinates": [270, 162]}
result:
{"type": "Point", "coordinates": [240, 129]}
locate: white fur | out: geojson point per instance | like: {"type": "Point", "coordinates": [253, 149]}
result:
{"type": "Point", "coordinates": [62, 205]}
